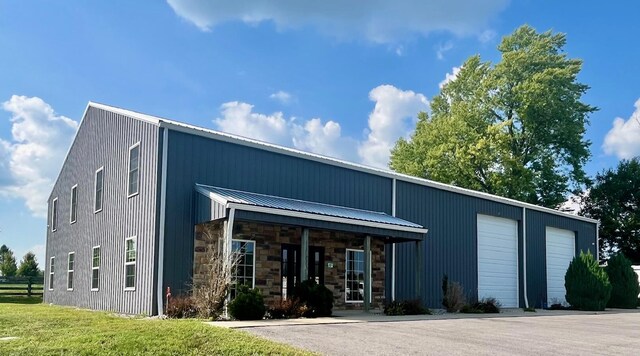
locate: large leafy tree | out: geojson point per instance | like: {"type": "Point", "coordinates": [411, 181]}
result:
{"type": "Point", "coordinates": [514, 129]}
{"type": "Point", "coordinates": [614, 199]}
{"type": "Point", "coordinates": [28, 266]}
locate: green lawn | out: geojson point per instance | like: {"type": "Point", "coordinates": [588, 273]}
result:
{"type": "Point", "coordinates": [54, 330]}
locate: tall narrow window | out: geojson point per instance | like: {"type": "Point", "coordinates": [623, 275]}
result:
{"type": "Point", "coordinates": [134, 169]}
{"type": "Point", "coordinates": [73, 215]}
{"type": "Point", "coordinates": [70, 264]}
{"type": "Point", "coordinates": [243, 273]}
{"type": "Point", "coordinates": [95, 268]}
{"type": "Point", "coordinates": [354, 276]}
{"type": "Point", "coordinates": [99, 184]}
{"type": "Point", "coordinates": [52, 261]}
{"type": "Point", "coordinates": [130, 263]}
{"type": "Point", "coordinates": [54, 214]}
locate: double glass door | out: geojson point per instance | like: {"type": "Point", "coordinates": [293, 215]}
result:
{"type": "Point", "coordinates": [290, 266]}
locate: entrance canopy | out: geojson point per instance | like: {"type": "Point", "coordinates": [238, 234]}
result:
{"type": "Point", "coordinates": [214, 203]}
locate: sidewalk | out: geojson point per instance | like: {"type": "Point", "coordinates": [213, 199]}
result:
{"type": "Point", "coordinates": [376, 316]}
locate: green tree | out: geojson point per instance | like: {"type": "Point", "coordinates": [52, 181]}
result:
{"type": "Point", "coordinates": [3, 249]}
{"type": "Point", "coordinates": [8, 265]}
{"type": "Point", "coordinates": [614, 199]}
{"type": "Point", "coordinates": [28, 266]}
{"type": "Point", "coordinates": [624, 283]}
{"type": "Point", "coordinates": [514, 129]}
{"type": "Point", "coordinates": [587, 285]}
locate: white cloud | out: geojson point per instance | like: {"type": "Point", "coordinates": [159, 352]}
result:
{"type": "Point", "coordinates": [623, 140]}
{"type": "Point", "coordinates": [34, 154]}
{"type": "Point", "coordinates": [325, 139]}
{"type": "Point", "coordinates": [238, 118]}
{"type": "Point", "coordinates": [378, 21]}
{"type": "Point", "coordinates": [393, 117]}
{"type": "Point", "coordinates": [486, 36]}
{"type": "Point", "coordinates": [281, 96]}
{"type": "Point", "coordinates": [443, 48]}
{"type": "Point", "coordinates": [449, 77]}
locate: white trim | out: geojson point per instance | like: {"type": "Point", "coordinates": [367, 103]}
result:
{"type": "Point", "coordinates": [134, 263]}
{"type": "Point", "coordinates": [213, 196]}
{"type": "Point", "coordinates": [298, 214]}
{"type": "Point", "coordinates": [54, 214]}
{"type": "Point", "coordinates": [524, 256]}
{"type": "Point", "coordinates": [346, 254]}
{"type": "Point", "coordinates": [71, 221]}
{"type": "Point", "coordinates": [393, 245]}
{"type": "Point", "coordinates": [163, 214]}
{"type": "Point", "coordinates": [73, 279]}
{"type": "Point", "coordinates": [52, 263]}
{"type": "Point", "coordinates": [95, 190]}
{"type": "Point", "coordinates": [137, 144]}
{"type": "Point", "coordinates": [253, 276]}
{"type": "Point", "coordinates": [95, 268]}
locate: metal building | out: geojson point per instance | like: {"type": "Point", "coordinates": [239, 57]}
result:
{"type": "Point", "coordinates": [135, 192]}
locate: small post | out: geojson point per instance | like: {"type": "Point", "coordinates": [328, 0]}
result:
{"type": "Point", "coordinates": [29, 287]}
{"type": "Point", "coordinates": [367, 273]}
{"type": "Point", "coordinates": [304, 255]}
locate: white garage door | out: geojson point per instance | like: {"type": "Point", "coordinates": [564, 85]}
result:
{"type": "Point", "coordinates": [498, 259]}
{"type": "Point", "coordinates": [561, 248]}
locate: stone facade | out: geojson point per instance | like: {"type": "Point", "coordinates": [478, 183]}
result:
{"type": "Point", "coordinates": [268, 242]}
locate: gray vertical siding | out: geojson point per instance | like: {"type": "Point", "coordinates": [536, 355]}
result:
{"type": "Point", "coordinates": [103, 139]}
{"type": "Point", "coordinates": [451, 244]}
{"type": "Point", "coordinates": [536, 248]}
{"type": "Point", "coordinates": [194, 159]}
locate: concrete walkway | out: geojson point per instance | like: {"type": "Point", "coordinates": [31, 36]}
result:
{"type": "Point", "coordinates": [352, 317]}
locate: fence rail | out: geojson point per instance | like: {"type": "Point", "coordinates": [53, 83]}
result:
{"type": "Point", "coordinates": [21, 286]}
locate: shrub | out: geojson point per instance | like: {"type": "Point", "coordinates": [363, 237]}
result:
{"type": "Point", "coordinates": [587, 284]}
{"type": "Point", "coordinates": [407, 307]}
{"type": "Point", "coordinates": [452, 295]}
{"type": "Point", "coordinates": [486, 305]}
{"type": "Point", "coordinates": [529, 310]}
{"type": "Point", "coordinates": [624, 283]}
{"type": "Point", "coordinates": [286, 308]}
{"type": "Point", "coordinates": [247, 305]}
{"type": "Point", "coordinates": [181, 307]}
{"type": "Point", "coordinates": [317, 298]}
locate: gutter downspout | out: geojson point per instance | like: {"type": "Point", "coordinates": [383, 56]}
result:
{"type": "Point", "coordinates": [393, 245]}
{"type": "Point", "coordinates": [524, 255]}
{"type": "Point", "coordinates": [598, 242]}
{"type": "Point", "coordinates": [163, 199]}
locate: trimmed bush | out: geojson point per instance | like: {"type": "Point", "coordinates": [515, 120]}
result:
{"type": "Point", "coordinates": [452, 295]}
{"type": "Point", "coordinates": [587, 284]}
{"type": "Point", "coordinates": [247, 305]}
{"type": "Point", "coordinates": [624, 283]}
{"type": "Point", "coordinates": [407, 307]}
{"type": "Point", "coordinates": [317, 298]}
{"type": "Point", "coordinates": [181, 307]}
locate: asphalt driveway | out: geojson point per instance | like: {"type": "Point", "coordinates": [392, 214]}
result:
{"type": "Point", "coordinates": [603, 334]}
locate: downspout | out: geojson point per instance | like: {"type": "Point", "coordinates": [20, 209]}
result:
{"type": "Point", "coordinates": [524, 255]}
{"type": "Point", "coordinates": [228, 239]}
{"type": "Point", "coordinates": [598, 242]}
{"type": "Point", "coordinates": [393, 245]}
{"type": "Point", "coordinates": [163, 199]}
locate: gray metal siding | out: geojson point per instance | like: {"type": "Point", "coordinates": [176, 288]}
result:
{"type": "Point", "coordinates": [450, 245]}
{"type": "Point", "coordinates": [536, 248]}
{"type": "Point", "coordinates": [104, 139]}
{"type": "Point", "coordinates": [194, 159]}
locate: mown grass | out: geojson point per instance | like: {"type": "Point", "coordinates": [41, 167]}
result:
{"type": "Point", "coordinates": [53, 330]}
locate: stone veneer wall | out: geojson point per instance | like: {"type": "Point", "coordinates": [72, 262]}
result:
{"type": "Point", "coordinates": [269, 239]}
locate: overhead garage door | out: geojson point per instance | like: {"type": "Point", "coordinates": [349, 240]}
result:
{"type": "Point", "coordinates": [498, 259]}
{"type": "Point", "coordinates": [561, 248]}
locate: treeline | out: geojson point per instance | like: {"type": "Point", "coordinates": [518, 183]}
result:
{"type": "Point", "coordinates": [28, 266]}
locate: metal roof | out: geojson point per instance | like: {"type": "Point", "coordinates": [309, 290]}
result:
{"type": "Point", "coordinates": [226, 196]}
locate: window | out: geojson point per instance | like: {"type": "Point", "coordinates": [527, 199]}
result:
{"type": "Point", "coordinates": [99, 185]}
{"type": "Point", "coordinates": [134, 169]}
{"type": "Point", "coordinates": [130, 263]}
{"type": "Point", "coordinates": [74, 204]}
{"type": "Point", "coordinates": [95, 268]}
{"type": "Point", "coordinates": [51, 270]}
{"type": "Point", "coordinates": [70, 264]}
{"type": "Point", "coordinates": [244, 269]}
{"type": "Point", "coordinates": [54, 214]}
{"type": "Point", "coordinates": [354, 276]}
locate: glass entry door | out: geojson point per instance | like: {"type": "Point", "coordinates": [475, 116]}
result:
{"type": "Point", "coordinates": [290, 266]}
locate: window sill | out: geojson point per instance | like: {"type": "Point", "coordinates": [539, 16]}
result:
{"type": "Point", "coordinates": [130, 289]}
{"type": "Point", "coordinates": [72, 222]}
{"type": "Point", "coordinates": [133, 195]}
{"type": "Point", "coordinates": [95, 289]}
{"type": "Point", "coordinates": [69, 290]}
{"type": "Point", "coordinates": [97, 211]}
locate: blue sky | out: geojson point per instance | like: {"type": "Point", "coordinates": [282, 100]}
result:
{"type": "Point", "coordinates": [332, 78]}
